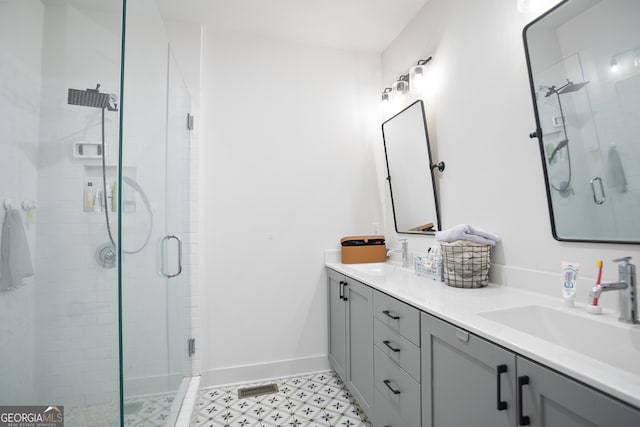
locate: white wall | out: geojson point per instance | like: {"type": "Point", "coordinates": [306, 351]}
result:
{"type": "Point", "coordinates": [480, 114]}
{"type": "Point", "coordinates": [287, 169]}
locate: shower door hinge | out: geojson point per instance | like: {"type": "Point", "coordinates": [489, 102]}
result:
{"type": "Point", "coordinates": [191, 343]}
{"type": "Point", "coordinates": [189, 121]}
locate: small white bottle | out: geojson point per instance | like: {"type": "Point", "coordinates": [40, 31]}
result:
{"type": "Point", "coordinates": [99, 202]}
{"type": "Point", "coordinates": [89, 197]}
{"type": "Point", "coordinates": [569, 276]}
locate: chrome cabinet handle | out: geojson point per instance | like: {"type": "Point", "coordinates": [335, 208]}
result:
{"type": "Point", "coordinates": [593, 190]}
{"type": "Point", "coordinates": [164, 271]}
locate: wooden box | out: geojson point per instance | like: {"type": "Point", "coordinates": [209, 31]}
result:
{"type": "Point", "coordinates": [363, 249]}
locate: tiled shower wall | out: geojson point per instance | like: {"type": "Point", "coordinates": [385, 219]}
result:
{"type": "Point", "coordinates": [76, 301]}
{"type": "Point", "coordinates": [20, 55]}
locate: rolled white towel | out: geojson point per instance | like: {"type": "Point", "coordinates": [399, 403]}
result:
{"type": "Point", "coordinates": [469, 233]}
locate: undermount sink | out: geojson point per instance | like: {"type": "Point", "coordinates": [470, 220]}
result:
{"type": "Point", "coordinates": [614, 344]}
{"type": "Point", "coordinates": [373, 268]}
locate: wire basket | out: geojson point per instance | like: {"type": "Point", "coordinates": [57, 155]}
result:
{"type": "Point", "coordinates": [466, 264]}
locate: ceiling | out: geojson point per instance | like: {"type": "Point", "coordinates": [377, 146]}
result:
{"type": "Point", "coordinates": [362, 25]}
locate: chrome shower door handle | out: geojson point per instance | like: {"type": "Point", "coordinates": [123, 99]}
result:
{"type": "Point", "coordinates": [165, 241]}
{"type": "Point", "coordinates": [593, 190]}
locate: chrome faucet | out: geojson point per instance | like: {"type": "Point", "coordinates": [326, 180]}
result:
{"type": "Point", "coordinates": [404, 250]}
{"type": "Point", "coordinates": [626, 284]}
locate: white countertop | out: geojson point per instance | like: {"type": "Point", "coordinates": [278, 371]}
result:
{"type": "Point", "coordinates": [463, 307]}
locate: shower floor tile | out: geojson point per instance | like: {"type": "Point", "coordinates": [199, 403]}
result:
{"type": "Point", "coordinates": [313, 400]}
{"type": "Point", "coordinates": [139, 411]}
{"type": "Point", "coordinates": [148, 411]}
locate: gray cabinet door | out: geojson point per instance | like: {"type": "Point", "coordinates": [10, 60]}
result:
{"type": "Point", "coordinates": [337, 324]}
{"type": "Point", "coordinates": [360, 343]}
{"type": "Point", "coordinates": [461, 376]}
{"type": "Point", "coordinates": [550, 399]}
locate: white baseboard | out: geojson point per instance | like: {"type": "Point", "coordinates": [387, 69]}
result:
{"type": "Point", "coordinates": [263, 371]}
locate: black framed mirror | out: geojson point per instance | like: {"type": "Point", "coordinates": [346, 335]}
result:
{"type": "Point", "coordinates": [583, 58]}
{"type": "Point", "coordinates": [409, 171]}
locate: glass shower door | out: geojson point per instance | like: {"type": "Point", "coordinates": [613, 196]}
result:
{"type": "Point", "coordinates": [155, 279]}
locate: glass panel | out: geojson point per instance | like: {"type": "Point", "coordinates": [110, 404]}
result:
{"type": "Point", "coordinates": [58, 306]}
{"type": "Point", "coordinates": [178, 222]}
{"type": "Point", "coordinates": [154, 206]}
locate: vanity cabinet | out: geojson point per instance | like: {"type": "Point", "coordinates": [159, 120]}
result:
{"type": "Point", "coordinates": [467, 380]}
{"type": "Point", "coordinates": [396, 362]}
{"type": "Point", "coordinates": [351, 336]}
{"type": "Point", "coordinates": [460, 377]}
{"type": "Point", "coordinates": [550, 399]}
{"type": "Point", "coordinates": [406, 368]}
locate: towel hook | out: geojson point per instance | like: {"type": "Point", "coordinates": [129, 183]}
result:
{"type": "Point", "coordinates": [27, 205]}
{"type": "Point", "coordinates": [8, 204]}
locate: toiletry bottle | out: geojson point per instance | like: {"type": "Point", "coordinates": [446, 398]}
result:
{"type": "Point", "coordinates": [569, 276]}
{"type": "Point", "coordinates": [98, 206]}
{"type": "Point", "coordinates": [89, 197]}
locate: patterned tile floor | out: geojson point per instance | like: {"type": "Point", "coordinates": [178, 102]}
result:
{"type": "Point", "coordinates": [313, 400]}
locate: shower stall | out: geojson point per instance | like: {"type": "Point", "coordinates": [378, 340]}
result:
{"type": "Point", "coordinates": [94, 178]}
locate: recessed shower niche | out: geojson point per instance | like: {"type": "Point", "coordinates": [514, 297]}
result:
{"type": "Point", "coordinates": [97, 184]}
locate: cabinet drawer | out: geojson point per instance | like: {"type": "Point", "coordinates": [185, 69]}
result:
{"type": "Point", "coordinates": [386, 414]}
{"type": "Point", "coordinates": [397, 315]}
{"type": "Point", "coordinates": [395, 390]}
{"type": "Point", "coordinates": [397, 348]}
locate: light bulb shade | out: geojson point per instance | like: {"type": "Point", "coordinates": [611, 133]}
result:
{"type": "Point", "coordinates": [400, 87]}
{"type": "Point", "coordinates": [417, 78]}
{"type": "Point", "coordinates": [614, 65]}
{"type": "Point", "coordinates": [386, 95]}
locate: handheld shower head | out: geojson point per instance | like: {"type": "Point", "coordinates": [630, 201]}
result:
{"type": "Point", "coordinates": [559, 147]}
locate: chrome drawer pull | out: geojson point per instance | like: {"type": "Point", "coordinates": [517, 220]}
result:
{"type": "Point", "coordinates": [388, 344]}
{"type": "Point", "coordinates": [388, 384]}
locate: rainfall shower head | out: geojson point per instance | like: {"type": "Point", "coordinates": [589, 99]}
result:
{"type": "Point", "coordinates": [566, 88]}
{"type": "Point", "coordinates": [571, 87]}
{"type": "Point", "coordinates": [91, 98]}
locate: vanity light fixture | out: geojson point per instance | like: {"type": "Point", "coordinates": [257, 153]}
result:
{"type": "Point", "coordinates": [417, 76]}
{"type": "Point", "coordinates": [614, 65]}
{"type": "Point", "coordinates": [412, 82]}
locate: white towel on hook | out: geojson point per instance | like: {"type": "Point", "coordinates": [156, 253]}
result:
{"type": "Point", "coordinates": [469, 233]}
{"type": "Point", "coordinates": [15, 258]}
